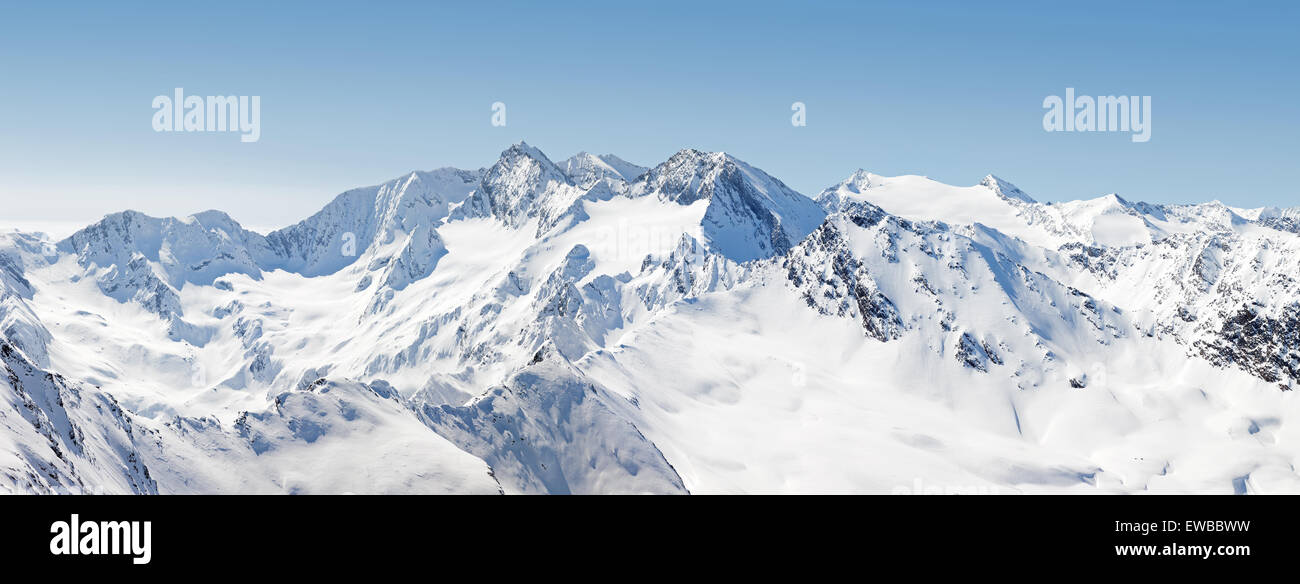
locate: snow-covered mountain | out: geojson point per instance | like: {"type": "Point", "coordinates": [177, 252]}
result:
{"type": "Point", "coordinates": [595, 326]}
{"type": "Point", "coordinates": [750, 215]}
{"type": "Point", "coordinates": [585, 170]}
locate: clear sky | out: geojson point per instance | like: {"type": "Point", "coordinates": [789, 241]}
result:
{"type": "Point", "coordinates": [357, 93]}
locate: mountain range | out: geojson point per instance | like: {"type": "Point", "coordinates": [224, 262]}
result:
{"type": "Point", "coordinates": [594, 326]}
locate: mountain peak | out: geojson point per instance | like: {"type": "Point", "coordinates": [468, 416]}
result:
{"type": "Point", "coordinates": [585, 169]}
{"type": "Point", "coordinates": [523, 149]}
{"type": "Point", "coordinates": [750, 214]}
{"type": "Point", "coordinates": [1005, 189]}
{"type": "Point", "coordinates": [1115, 198]}
{"type": "Point", "coordinates": [833, 198]}
{"type": "Point", "coordinates": [591, 355]}
{"type": "Point", "coordinates": [523, 184]}
{"type": "Point", "coordinates": [213, 218]}
{"type": "Point", "coordinates": [861, 180]}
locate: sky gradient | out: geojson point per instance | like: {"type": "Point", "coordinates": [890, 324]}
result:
{"type": "Point", "coordinates": [355, 95]}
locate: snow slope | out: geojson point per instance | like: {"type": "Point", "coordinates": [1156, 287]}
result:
{"type": "Point", "coordinates": [595, 326]}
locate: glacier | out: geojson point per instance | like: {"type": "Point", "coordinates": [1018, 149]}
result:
{"type": "Point", "coordinates": [595, 326]}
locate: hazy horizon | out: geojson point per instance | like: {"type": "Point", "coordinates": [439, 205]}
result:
{"type": "Point", "coordinates": [353, 97]}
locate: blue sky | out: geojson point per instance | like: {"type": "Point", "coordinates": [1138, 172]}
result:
{"type": "Point", "coordinates": [354, 95]}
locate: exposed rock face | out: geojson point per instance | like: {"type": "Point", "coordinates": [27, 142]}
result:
{"type": "Point", "coordinates": [549, 430]}
{"type": "Point", "coordinates": [833, 281]}
{"type": "Point", "coordinates": [496, 330]}
{"type": "Point", "coordinates": [750, 214]}
{"type": "Point", "coordinates": [524, 184]}
{"type": "Point", "coordinates": [1266, 346]}
{"type": "Point", "coordinates": [61, 438]}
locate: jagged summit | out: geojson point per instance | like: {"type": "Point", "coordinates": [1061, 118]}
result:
{"type": "Point", "coordinates": [687, 176]}
{"type": "Point", "coordinates": [860, 179]}
{"type": "Point", "coordinates": [523, 149]}
{"type": "Point", "coordinates": [361, 218]}
{"type": "Point", "coordinates": [586, 169]}
{"type": "Point", "coordinates": [750, 214]}
{"type": "Point", "coordinates": [195, 249]}
{"type": "Point", "coordinates": [523, 184]}
{"type": "Point", "coordinates": [1005, 189]}
{"type": "Point", "coordinates": [696, 326]}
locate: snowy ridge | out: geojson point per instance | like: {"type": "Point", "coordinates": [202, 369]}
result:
{"type": "Point", "coordinates": [523, 185]}
{"type": "Point", "coordinates": [585, 170]}
{"type": "Point", "coordinates": [366, 218]}
{"type": "Point", "coordinates": [549, 430]}
{"type": "Point", "coordinates": [594, 326]}
{"type": "Point", "coordinates": [751, 215]}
